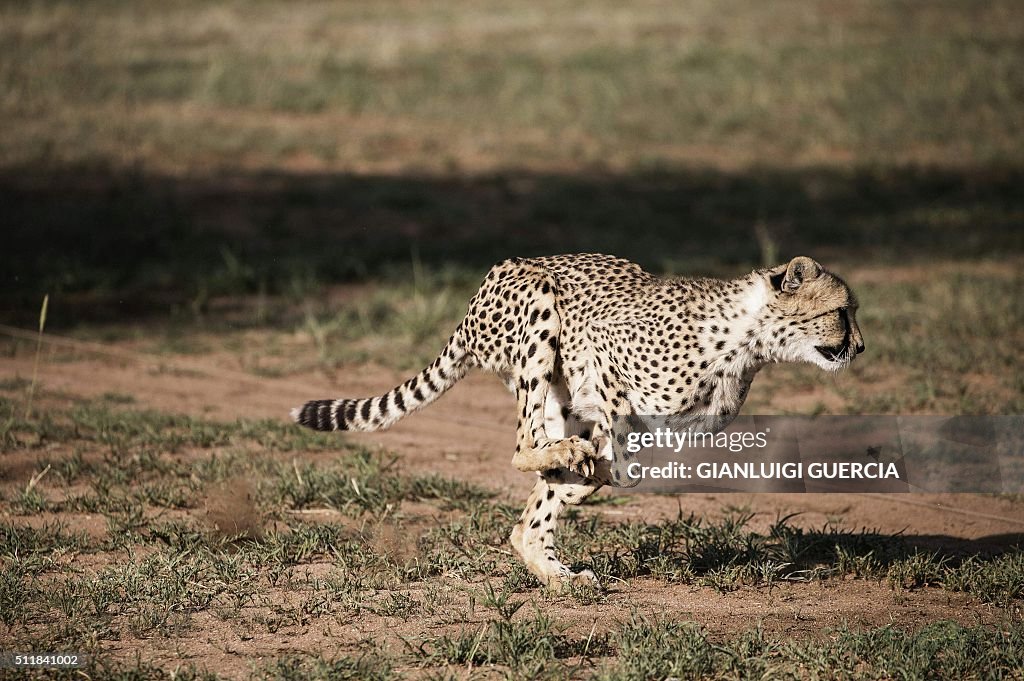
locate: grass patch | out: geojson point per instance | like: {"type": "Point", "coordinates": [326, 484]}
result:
{"type": "Point", "coordinates": [943, 650]}
{"type": "Point", "coordinates": [642, 648]}
{"type": "Point", "coordinates": [158, 570]}
{"type": "Point", "coordinates": [23, 541]}
{"type": "Point", "coordinates": [965, 369]}
{"type": "Point", "coordinates": [364, 483]}
{"type": "Point", "coordinates": [369, 668]}
{"type": "Point", "coordinates": [726, 555]}
{"type": "Point", "coordinates": [569, 84]}
{"type": "Point", "coordinates": [669, 133]}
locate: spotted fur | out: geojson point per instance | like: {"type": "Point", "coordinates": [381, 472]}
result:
{"type": "Point", "coordinates": [584, 340]}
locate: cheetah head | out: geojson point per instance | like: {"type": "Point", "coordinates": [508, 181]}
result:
{"type": "Point", "coordinates": [810, 316]}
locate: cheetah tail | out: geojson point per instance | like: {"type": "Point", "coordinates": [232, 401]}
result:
{"type": "Point", "coordinates": [379, 413]}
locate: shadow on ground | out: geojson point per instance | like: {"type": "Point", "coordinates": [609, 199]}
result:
{"type": "Point", "coordinates": [126, 244]}
{"type": "Point", "coordinates": [958, 547]}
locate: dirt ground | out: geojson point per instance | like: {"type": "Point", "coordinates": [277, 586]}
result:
{"type": "Point", "coordinates": [468, 435]}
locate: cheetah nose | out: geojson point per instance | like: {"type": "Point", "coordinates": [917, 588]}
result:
{"type": "Point", "coordinates": [860, 347]}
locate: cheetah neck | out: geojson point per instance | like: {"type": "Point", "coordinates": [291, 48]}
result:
{"type": "Point", "coordinates": [729, 340]}
{"type": "Point", "coordinates": [729, 331]}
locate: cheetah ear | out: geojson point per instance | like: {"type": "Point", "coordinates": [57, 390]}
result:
{"type": "Point", "coordinates": [799, 270]}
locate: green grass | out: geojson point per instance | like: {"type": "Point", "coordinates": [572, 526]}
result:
{"type": "Point", "coordinates": [530, 647]}
{"type": "Point", "coordinates": [943, 650]}
{"type": "Point", "coordinates": [148, 458]}
{"type": "Point", "coordinates": [177, 154]}
{"type": "Point", "coordinates": [980, 316]}
{"type": "Point", "coordinates": [400, 324]}
{"type": "Point", "coordinates": [549, 83]}
{"type": "Point", "coordinates": [726, 555]}
{"type": "Point", "coordinates": [655, 648]}
{"type": "Point", "coordinates": [157, 570]}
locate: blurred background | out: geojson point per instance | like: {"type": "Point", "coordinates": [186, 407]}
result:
{"type": "Point", "coordinates": [349, 170]}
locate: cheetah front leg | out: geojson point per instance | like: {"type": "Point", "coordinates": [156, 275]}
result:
{"type": "Point", "coordinates": [533, 537]}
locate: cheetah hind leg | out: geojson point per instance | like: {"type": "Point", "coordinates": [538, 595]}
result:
{"type": "Point", "coordinates": [536, 374]}
{"type": "Point", "coordinates": [533, 537]}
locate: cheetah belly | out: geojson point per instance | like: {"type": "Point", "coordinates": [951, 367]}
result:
{"type": "Point", "coordinates": [723, 401]}
{"type": "Point", "coordinates": [727, 397]}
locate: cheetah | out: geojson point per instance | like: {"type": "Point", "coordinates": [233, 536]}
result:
{"type": "Point", "coordinates": [584, 340]}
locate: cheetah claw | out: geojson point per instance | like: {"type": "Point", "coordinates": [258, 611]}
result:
{"type": "Point", "coordinates": [572, 453]}
{"type": "Point", "coordinates": [576, 455]}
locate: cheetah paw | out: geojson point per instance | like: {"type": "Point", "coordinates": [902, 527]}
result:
{"type": "Point", "coordinates": [568, 579]}
{"type": "Point", "coordinates": [574, 454]}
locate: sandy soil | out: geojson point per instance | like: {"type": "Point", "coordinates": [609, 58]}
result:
{"type": "Point", "coordinates": [469, 434]}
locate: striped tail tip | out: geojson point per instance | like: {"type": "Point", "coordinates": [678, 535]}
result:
{"type": "Point", "coordinates": [318, 415]}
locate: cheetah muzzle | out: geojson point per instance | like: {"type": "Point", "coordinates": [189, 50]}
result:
{"type": "Point", "coordinates": [584, 340]}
